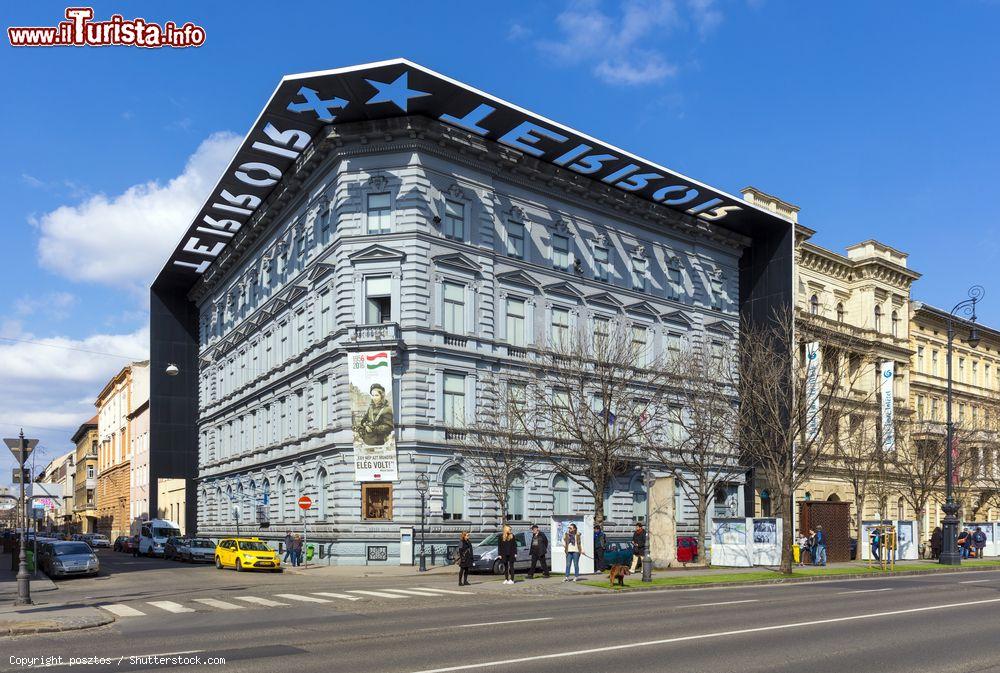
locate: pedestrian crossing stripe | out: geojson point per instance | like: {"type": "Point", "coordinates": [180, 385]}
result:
{"type": "Point", "coordinates": [304, 599]}
{"type": "Point", "coordinates": [414, 593]}
{"type": "Point", "coordinates": [221, 605]}
{"type": "Point", "coordinates": [345, 597]}
{"type": "Point", "coordinates": [445, 591]}
{"type": "Point", "coordinates": [120, 610]}
{"type": "Point", "coordinates": [259, 601]}
{"type": "Point", "coordinates": [170, 606]}
{"type": "Point", "coordinates": [378, 594]}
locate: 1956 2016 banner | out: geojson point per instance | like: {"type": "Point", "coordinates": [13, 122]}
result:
{"type": "Point", "coordinates": [370, 382]}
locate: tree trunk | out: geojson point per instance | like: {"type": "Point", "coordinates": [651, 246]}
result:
{"type": "Point", "coordinates": [787, 537]}
{"type": "Point", "coordinates": [599, 509]}
{"type": "Point", "coordinates": [702, 508]}
{"type": "Point", "coordinates": [858, 517]}
{"type": "Point", "coordinates": [919, 513]}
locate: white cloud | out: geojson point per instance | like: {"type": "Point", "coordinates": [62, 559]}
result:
{"type": "Point", "coordinates": [51, 391]}
{"type": "Point", "coordinates": [624, 48]}
{"type": "Point", "coordinates": [123, 240]}
{"type": "Point", "coordinates": [55, 305]}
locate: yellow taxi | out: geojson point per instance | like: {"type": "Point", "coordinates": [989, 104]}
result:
{"type": "Point", "coordinates": [246, 553]}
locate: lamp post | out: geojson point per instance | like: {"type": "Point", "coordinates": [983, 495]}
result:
{"type": "Point", "coordinates": [648, 480]}
{"type": "Point", "coordinates": [949, 526]}
{"type": "Point", "coordinates": [422, 486]}
{"type": "Point", "coordinates": [21, 447]}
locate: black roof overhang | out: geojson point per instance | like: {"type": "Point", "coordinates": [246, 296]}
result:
{"type": "Point", "coordinates": [304, 104]}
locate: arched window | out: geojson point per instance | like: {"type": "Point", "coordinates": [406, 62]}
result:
{"type": "Point", "coordinates": [560, 495]}
{"type": "Point", "coordinates": [454, 495]}
{"type": "Point", "coordinates": [638, 501]}
{"type": "Point", "coordinates": [895, 324]}
{"type": "Point", "coordinates": [297, 493]}
{"type": "Point", "coordinates": [765, 503]}
{"type": "Point", "coordinates": [878, 318]}
{"type": "Point", "coordinates": [265, 489]}
{"type": "Point", "coordinates": [282, 501]}
{"type": "Point", "coordinates": [237, 505]}
{"type": "Point", "coordinates": [515, 498]}
{"type": "Point", "coordinates": [321, 495]}
{"type": "Point", "coordinates": [814, 305]}
{"type": "Point", "coordinates": [840, 311]}
{"type": "Point", "coordinates": [228, 518]}
{"type": "Point", "coordinates": [900, 510]}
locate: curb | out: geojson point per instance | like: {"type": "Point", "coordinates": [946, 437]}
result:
{"type": "Point", "coordinates": [23, 628]}
{"type": "Point", "coordinates": [789, 580]}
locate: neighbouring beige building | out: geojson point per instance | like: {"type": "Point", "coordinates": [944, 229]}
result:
{"type": "Point", "coordinates": [975, 407]}
{"type": "Point", "coordinates": [115, 408]}
{"type": "Point", "coordinates": [85, 479]}
{"type": "Point", "coordinates": [56, 480]}
{"type": "Point", "coordinates": [856, 306]}
{"type": "Point", "coordinates": [171, 502]}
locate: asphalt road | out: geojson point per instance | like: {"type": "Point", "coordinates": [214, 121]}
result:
{"type": "Point", "coordinates": [945, 622]}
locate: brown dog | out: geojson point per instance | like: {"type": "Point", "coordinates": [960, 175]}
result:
{"type": "Point", "coordinates": [618, 572]}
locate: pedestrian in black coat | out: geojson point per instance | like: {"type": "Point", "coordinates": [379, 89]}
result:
{"type": "Point", "coordinates": [464, 558]}
{"type": "Point", "coordinates": [507, 552]}
{"type": "Point", "coordinates": [539, 547]}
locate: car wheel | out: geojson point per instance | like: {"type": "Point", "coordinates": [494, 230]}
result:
{"type": "Point", "coordinates": [218, 563]}
{"type": "Point", "coordinates": [239, 566]}
{"type": "Point", "coordinates": [499, 567]}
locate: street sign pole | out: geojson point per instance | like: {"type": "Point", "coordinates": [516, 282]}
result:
{"type": "Point", "coordinates": [24, 447]}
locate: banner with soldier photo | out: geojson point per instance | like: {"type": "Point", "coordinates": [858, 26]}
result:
{"type": "Point", "coordinates": [370, 391]}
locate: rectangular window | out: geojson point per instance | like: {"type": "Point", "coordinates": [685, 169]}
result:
{"type": "Point", "coordinates": [454, 220]}
{"type": "Point", "coordinates": [640, 347]}
{"type": "Point", "coordinates": [379, 213]}
{"type": "Point", "coordinates": [376, 501]}
{"type": "Point", "coordinates": [323, 412]}
{"type": "Point", "coordinates": [454, 308]}
{"type": "Point", "coordinates": [934, 363]}
{"type": "Point", "coordinates": [560, 327]}
{"type": "Point", "coordinates": [640, 267]}
{"type": "Point", "coordinates": [975, 373]}
{"type": "Point", "coordinates": [560, 252]}
{"type": "Point", "coordinates": [90, 472]}
{"type": "Point", "coordinates": [300, 332]}
{"type": "Point", "coordinates": [454, 400]}
{"type": "Point", "coordinates": [515, 240]}
{"type": "Point", "coordinates": [934, 409]}
{"type": "Point", "coordinates": [675, 344]}
{"type": "Point", "coordinates": [602, 328]}
{"type": "Point", "coordinates": [326, 313]}
{"type": "Point", "coordinates": [601, 263]}
{"type": "Point", "coordinates": [378, 300]}
{"type": "Point", "coordinates": [325, 223]}
{"type": "Point", "coordinates": [920, 358]}
{"type": "Point", "coordinates": [515, 322]}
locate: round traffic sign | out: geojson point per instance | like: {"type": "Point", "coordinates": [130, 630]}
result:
{"type": "Point", "coordinates": [305, 502]}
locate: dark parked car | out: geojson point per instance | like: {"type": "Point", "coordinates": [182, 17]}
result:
{"type": "Point", "coordinates": [617, 553]}
{"type": "Point", "coordinates": [190, 549]}
{"type": "Point", "coordinates": [60, 559]}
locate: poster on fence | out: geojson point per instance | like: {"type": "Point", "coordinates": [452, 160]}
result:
{"type": "Point", "coordinates": [370, 393]}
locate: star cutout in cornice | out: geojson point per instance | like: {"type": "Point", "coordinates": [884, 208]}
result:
{"type": "Point", "coordinates": [397, 92]}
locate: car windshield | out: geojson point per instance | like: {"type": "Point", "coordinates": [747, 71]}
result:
{"type": "Point", "coordinates": [165, 532]}
{"type": "Point", "coordinates": [207, 544]}
{"type": "Point", "coordinates": [254, 546]}
{"type": "Point", "coordinates": [99, 537]}
{"type": "Point", "coordinates": [68, 549]}
{"type": "Point", "coordinates": [492, 539]}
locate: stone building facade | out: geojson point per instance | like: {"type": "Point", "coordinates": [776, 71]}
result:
{"type": "Point", "coordinates": [85, 513]}
{"type": "Point", "coordinates": [416, 239]}
{"type": "Point", "coordinates": [138, 428]}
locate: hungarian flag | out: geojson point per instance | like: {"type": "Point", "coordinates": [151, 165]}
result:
{"type": "Point", "coordinates": [376, 360]}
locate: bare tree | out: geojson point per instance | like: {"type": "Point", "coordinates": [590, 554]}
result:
{"type": "Point", "coordinates": [592, 401]}
{"type": "Point", "coordinates": [859, 457]}
{"type": "Point", "coordinates": [494, 450]}
{"type": "Point", "coordinates": [784, 400]}
{"type": "Point", "coordinates": [700, 444]}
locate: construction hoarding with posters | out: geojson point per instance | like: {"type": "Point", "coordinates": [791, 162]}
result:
{"type": "Point", "coordinates": [370, 383]}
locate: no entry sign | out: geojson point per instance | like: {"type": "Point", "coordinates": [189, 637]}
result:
{"type": "Point", "coordinates": [305, 502]}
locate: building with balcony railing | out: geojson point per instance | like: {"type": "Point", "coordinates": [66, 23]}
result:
{"type": "Point", "coordinates": [85, 480]}
{"type": "Point", "coordinates": [457, 253]}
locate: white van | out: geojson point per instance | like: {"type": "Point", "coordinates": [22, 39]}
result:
{"type": "Point", "coordinates": [153, 535]}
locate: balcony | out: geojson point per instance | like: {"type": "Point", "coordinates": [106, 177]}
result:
{"type": "Point", "coordinates": [91, 483]}
{"type": "Point", "coordinates": [379, 335]}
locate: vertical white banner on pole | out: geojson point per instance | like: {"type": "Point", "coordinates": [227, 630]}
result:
{"type": "Point", "coordinates": [813, 364]}
{"type": "Point", "coordinates": [888, 373]}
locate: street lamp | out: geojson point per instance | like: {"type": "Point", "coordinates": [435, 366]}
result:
{"type": "Point", "coordinates": [422, 487]}
{"type": "Point", "coordinates": [949, 526]}
{"type": "Point", "coordinates": [648, 480]}
{"type": "Point", "coordinates": [21, 447]}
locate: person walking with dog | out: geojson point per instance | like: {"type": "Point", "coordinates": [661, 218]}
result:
{"type": "Point", "coordinates": [573, 544]}
{"type": "Point", "coordinates": [638, 545]}
{"type": "Point", "coordinates": [464, 558]}
{"type": "Point", "coordinates": [507, 552]}
{"type": "Point", "coordinates": [600, 542]}
{"type": "Point", "coordinates": [539, 547]}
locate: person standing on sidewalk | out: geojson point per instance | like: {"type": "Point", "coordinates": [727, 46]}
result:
{"type": "Point", "coordinates": [507, 552]}
{"type": "Point", "coordinates": [600, 542]}
{"type": "Point", "coordinates": [539, 547]}
{"type": "Point", "coordinates": [464, 558]}
{"type": "Point", "coordinates": [288, 547]}
{"type": "Point", "coordinates": [937, 541]}
{"type": "Point", "coordinates": [965, 542]}
{"type": "Point", "coordinates": [979, 540]}
{"type": "Point", "coordinates": [638, 545]}
{"type": "Point", "coordinates": [573, 544]}
{"type": "Point", "coordinates": [819, 547]}
{"type": "Point", "coordinates": [297, 550]}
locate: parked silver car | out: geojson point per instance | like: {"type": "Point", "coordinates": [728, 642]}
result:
{"type": "Point", "coordinates": [485, 557]}
{"type": "Point", "coordinates": [60, 559]}
{"type": "Point", "coordinates": [190, 549]}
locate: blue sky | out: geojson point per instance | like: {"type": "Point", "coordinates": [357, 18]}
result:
{"type": "Point", "coordinates": [878, 119]}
